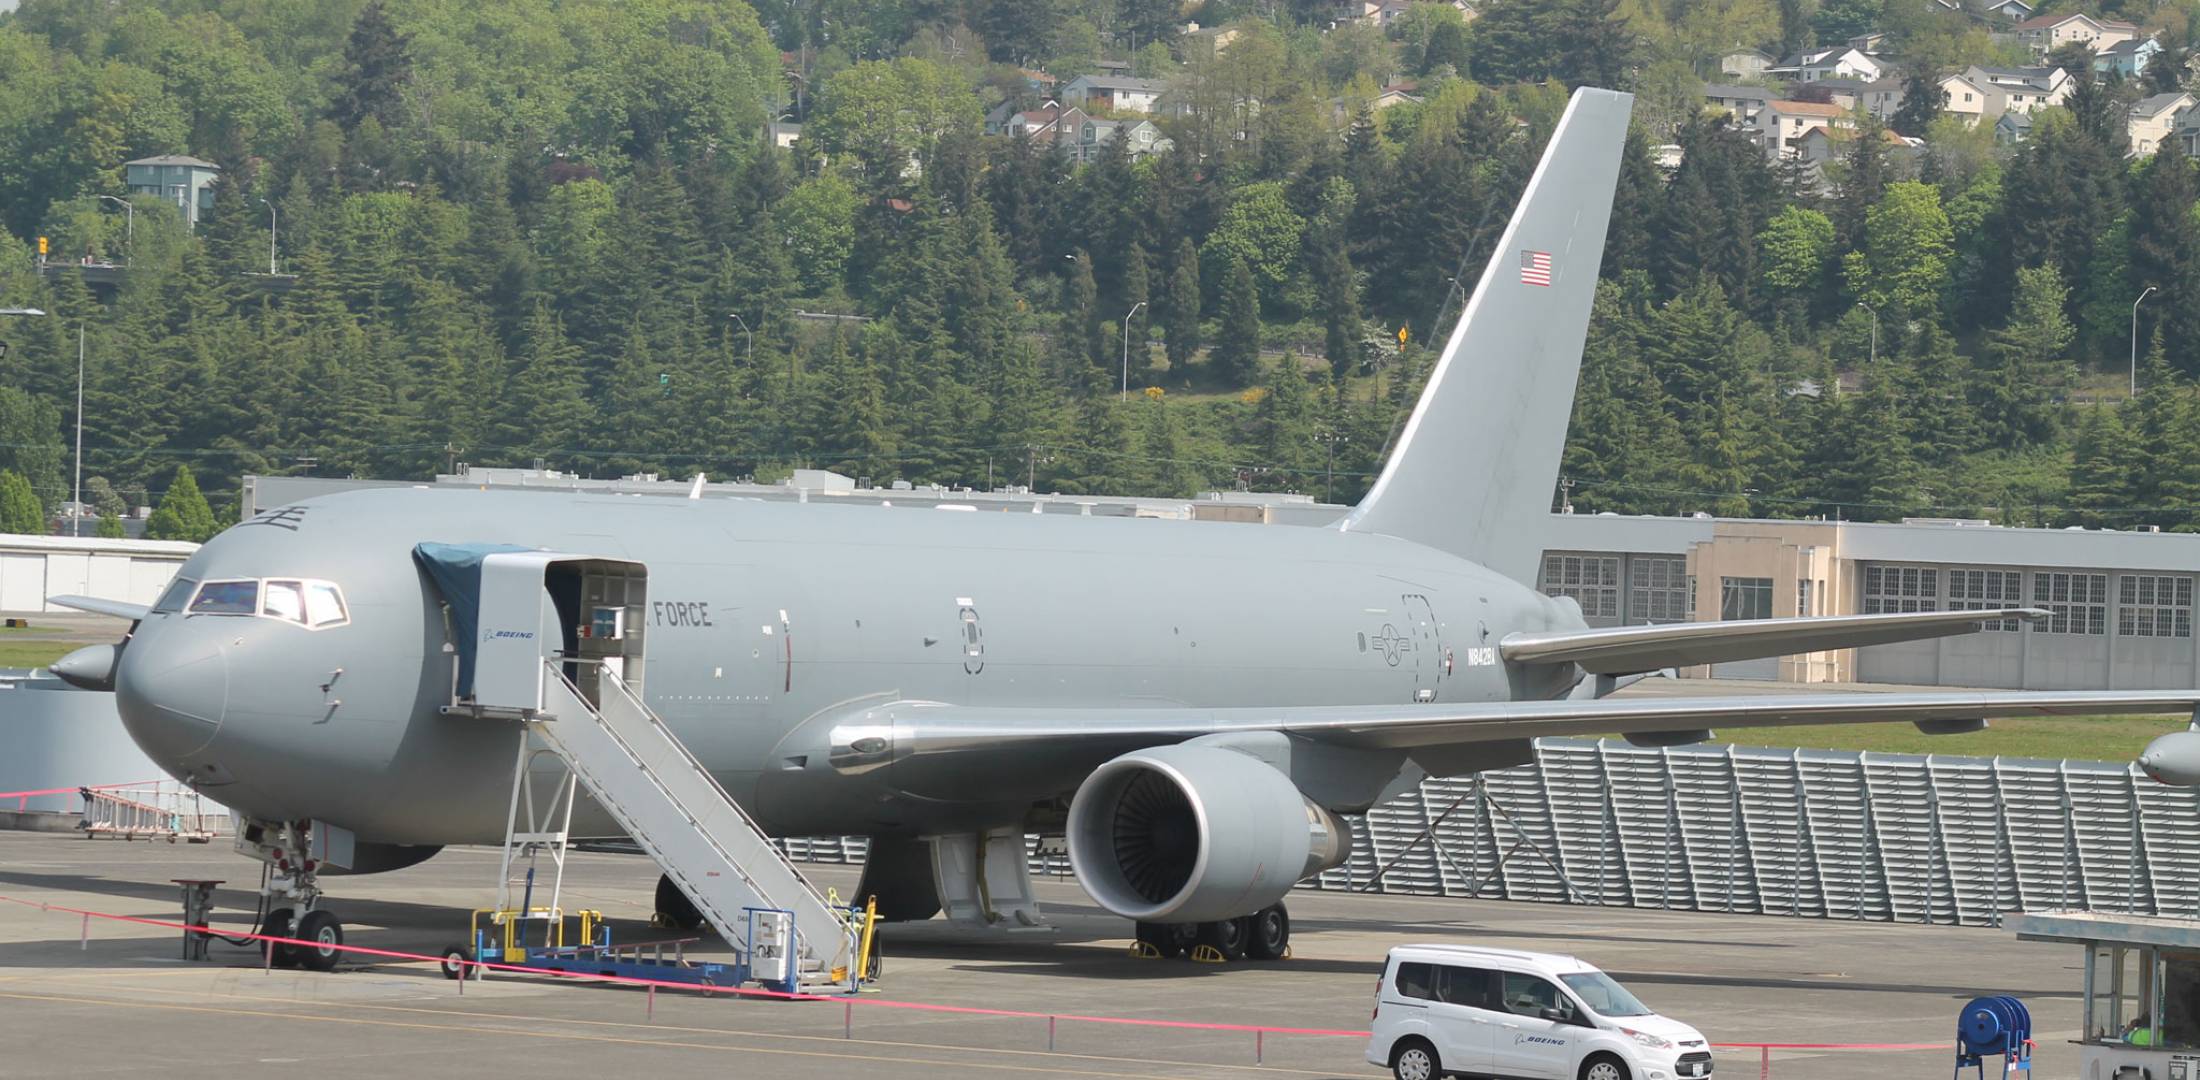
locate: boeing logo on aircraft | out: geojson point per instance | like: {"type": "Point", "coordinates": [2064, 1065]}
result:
{"type": "Point", "coordinates": [488, 635]}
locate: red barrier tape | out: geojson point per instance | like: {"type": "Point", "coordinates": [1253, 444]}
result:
{"type": "Point", "coordinates": [913, 1005]}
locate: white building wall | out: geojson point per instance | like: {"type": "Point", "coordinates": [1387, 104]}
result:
{"type": "Point", "coordinates": [33, 568]}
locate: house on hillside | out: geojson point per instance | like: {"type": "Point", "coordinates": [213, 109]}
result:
{"type": "Point", "coordinates": [2044, 33]}
{"type": "Point", "coordinates": [1821, 144]}
{"type": "Point", "coordinates": [2188, 131]}
{"type": "Point", "coordinates": [1091, 136]}
{"type": "Point", "coordinates": [1782, 124]}
{"type": "Point", "coordinates": [1871, 44]}
{"type": "Point", "coordinates": [1745, 63]}
{"type": "Point", "coordinates": [2020, 89]}
{"type": "Point", "coordinates": [179, 178]}
{"type": "Point", "coordinates": [2154, 121]}
{"type": "Point", "coordinates": [1744, 103]}
{"type": "Point", "coordinates": [2012, 128]}
{"type": "Point", "coordinates": [1838, 63]}
{"type": "Point", "coordinates": [2126, 58]}
{"type": "Point", "coordinates": [1846, 93]}
{"type": "Point", "coordinates": [1118, 93]}
{"type": "Point", "coordinates": [783, 133]}
{"type": "Point", "coordinates": [1883, 98]}
{"type": "Point", "coordinates": [1006, 119]}
{"type": "Point", "coordinates": [1964, 99]}
{"type": "Point", "coordinates": [2011, 11]}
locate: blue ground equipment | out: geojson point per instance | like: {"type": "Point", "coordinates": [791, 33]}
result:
{"type": "Point", "coordinates": [1994, 1027]}
{"type": "Point", "coordinates": [505, 940]}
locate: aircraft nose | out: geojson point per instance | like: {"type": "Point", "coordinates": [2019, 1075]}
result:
{"type": "Point", "coordinates": [172, 688]}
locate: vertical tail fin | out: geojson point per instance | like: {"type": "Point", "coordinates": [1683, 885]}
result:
{"type": "Point", "coordinates": [1478, 460]}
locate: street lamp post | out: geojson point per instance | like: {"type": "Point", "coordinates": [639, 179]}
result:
{"type": "Point", "coordinates": [751, 337]}
{"type": "Point", "coordinates": [129, 226]}
{"type": "Point", "coordinates": [2135, 338]}
{"type": "Point", "coordinates": [270, 238]}
{"type": "Point", "coordinates": [1127, 347]}
{"type": "Point", "coordinates": [76, 486]}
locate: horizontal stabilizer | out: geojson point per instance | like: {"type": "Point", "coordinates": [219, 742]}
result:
{"type": "Point", "coordinates": [97, 606]}
{"type": "Point", "coordinates": [1623, 650]}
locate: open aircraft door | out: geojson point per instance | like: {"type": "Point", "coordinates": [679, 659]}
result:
{"type": "Point", "coordinates": [511, 608]}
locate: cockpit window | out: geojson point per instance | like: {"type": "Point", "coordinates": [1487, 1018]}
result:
{"type": "Point", "coordinates": [324, 604]}
{"type": "Point", "coordinates": [284, 600]}
{"type": "Point", "coordinates": [172, 598]}
{"type": "Point", "coordinates": [227, 598]}
{"type": "Point", "coordinates": [312, 604]}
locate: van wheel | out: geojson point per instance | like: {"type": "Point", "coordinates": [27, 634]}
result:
{"type": "Point", "coordinates": [1603, 1067]}
{"type": "Point", "coordinates": [1415, 1059]}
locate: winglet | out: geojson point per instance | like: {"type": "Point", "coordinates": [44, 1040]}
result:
{"type": "Point", "coordinates": [695, 491]}
{"type": "Point", "coordinates": [1478, 459]}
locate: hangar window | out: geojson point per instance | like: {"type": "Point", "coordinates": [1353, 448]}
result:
{"type": "Point", "coordinates": [2150, 605]}
{"type": "Point", "coordinates": [1658, 589]}
{"type": "Point", "coordinates": [1745, 598]}
{"type": "Point", "coordinates": [1895, 589]}
{"type": "Point", "coordinates": [2076, 603]}
{"type": "Point", "coordinates": [1592, 580]}
{"type": "Point", "coordinates": [1984, 590]}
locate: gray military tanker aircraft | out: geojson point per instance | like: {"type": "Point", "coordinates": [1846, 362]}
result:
{"type": "Point", "coordinates": [1193, 706]}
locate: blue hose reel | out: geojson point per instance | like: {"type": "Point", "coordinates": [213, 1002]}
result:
{"type": "Point", "coordinates": [1994, 1027]}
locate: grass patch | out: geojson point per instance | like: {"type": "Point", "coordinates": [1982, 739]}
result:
{"type": "Point", "coordinates": [32, 654]}
{"type": "Point", "coordinates": [2104, 738]}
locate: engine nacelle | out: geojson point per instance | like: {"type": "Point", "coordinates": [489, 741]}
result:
{"type": "Point", "coordinates": [2173, 759]}
{"type": "Point", "coordinates": [1196, 834]}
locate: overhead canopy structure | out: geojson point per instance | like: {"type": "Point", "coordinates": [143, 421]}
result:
{"type": "Point", "coordinates": [456, 570]}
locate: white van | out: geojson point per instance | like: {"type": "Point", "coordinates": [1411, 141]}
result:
{"type": "Point", "coordinates": [1455, 1009]}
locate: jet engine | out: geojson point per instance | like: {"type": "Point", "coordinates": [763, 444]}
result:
{"type": "Point", "coordinates": [1195, 833]}
{"type": "Point", "coordinates": [2174, 758]}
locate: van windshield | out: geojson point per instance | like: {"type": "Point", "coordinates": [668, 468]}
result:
{"type": "Point", "coordinates": [1602, 995]}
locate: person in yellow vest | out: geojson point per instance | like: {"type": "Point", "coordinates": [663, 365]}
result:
{"type": "Point", "coordinates": [2140, 1032]}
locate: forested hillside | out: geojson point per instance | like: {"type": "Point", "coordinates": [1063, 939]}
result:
{"type": "Point", "coordinates": [509, 231]}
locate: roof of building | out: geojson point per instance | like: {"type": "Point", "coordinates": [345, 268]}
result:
{"type": "Point", "coordinates": [174, 159]}
{"type": "Point", "coordinates": [2015, 120]}
{"type": "Point", "coordinates": [1807, 108]}
{"type": "Point", "coordinates": [2016, 74]}
{"type": "Point", "coordinates": [2130, 47]}
{"type": "Point", "coordinates": [2042, 22]}
{"type": "Point", "coordinates": [1745, 49]}
{"type": "Point", "coordinates": [2161, 103]}
{"type": "Point", "coordinates": [1729, 90]}
{"type": "Point", "coordinates": [1851, 86]}
{"type": "Point", "coordinates": [1120, 82]}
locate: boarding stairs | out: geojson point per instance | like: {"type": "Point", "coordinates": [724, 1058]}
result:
{"type": "Point", "coordinates": [665, 799]}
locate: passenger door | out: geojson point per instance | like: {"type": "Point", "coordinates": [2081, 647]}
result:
{"type": "Point", "coordinates": [1528, 1044]}
{"type": "Point", "coordinates": [1461, 1036]}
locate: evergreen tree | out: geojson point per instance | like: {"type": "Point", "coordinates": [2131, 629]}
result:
{"type": "Point", "coordinates": [2026, 366]}
{"type": "Point", "coordinates": [1161, 446]}
{"type": "Point", "coordinates": [1235, 359]}
{"type": "Point", "coordinates": [1288, 442]}
{"type": "Point", "coordinates": [1338, 292]}
{"type": "Point", "coordinates": [2101, 476]}
{"type": "Point", "coordinates": [1182, 312]}
{"type": "Point", "coordinates": [1078, 337]}
{"type": "Point", "coordinates": [375, 71]}
{"type": "Point", "coordinates": [21, 511]}
{"type": "Point", "coordinates": [183, 513]}
{"type": "Point", "coordinates": [1922, 101]}
{"type": "Point", "coordinates": [1137, 291]}
{"type": "Point", "coordinates": [2165, 253]}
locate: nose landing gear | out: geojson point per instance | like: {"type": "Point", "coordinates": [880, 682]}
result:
{"type": "Point", "coordinates": [1263, 935]}
{"type": "Point", "coordinates": [292, 896]}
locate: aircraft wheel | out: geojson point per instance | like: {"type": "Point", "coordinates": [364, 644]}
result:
{"type": "Point", "coordinates": [327, 936]}
{"type": "Point", "coordinates": [454, 961]}
{"type": "Point", "coordinates": [1271, 933]}
{"type": "Point", "coordinates": [1229, 936]}
{"type": "Point", "coordinates": [1166, 939]}
{"type": "Point", "coordinates": [274, 953]}
{"type": "Point", "coordinates": [674, 909]}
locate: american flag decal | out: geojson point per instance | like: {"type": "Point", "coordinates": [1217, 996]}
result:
{"type": "Point", "coordinates": [1535, 268]}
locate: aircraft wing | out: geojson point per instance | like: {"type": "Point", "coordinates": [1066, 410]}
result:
{"type": "Point", "coordinates": [904, 729]}
{"type": "Point", "coordinates": [1624, 650]}
{"type": "Point", "coordinates": [97, 606]}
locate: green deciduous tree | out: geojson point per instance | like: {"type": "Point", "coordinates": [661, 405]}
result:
{"type": "Point", "coordinates": [20, 508]}
{"type": "Point", "coordinates": [1903, 268]}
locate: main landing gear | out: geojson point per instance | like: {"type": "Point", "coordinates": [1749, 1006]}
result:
{"type": "Point", "coordinates": [1263, 935]}
{"type": "Point", "coordinates": [292, 896]}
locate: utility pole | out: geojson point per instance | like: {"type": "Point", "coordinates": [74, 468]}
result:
{"type": "Point", "coordinates": [1127, 347]}
{"type": "Point", "coordinates": [1875, 329]}
{"type": "Point", "coordinates": [76, 513]}
{"type": "Point", "coordinates": [752, 338]}
{"type": "Point", "coordinates": [2135, 339]}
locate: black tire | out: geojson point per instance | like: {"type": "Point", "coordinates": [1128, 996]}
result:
{"type": "Point", "coordinates": [1414, 1058]}
{"type": "Point", "coordinates": [455, 958]}
{"type": "Point", "coordinates": [1604, 1067]}
{"type": "Point", "coordinates": [674, 909]}
{"type": "Point", "coordinates": [327, 936]}
{"type": "Point", "coordinates": [276, 954]}
{"type": "Point", "coordinates": [1171, 940]}
{"type": "Point", "coordinates": [898, 871]}
{"type": "Point", "coordinates": [1228, 936]}
{"type": "Point", "coordinates": [1271, 933]}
